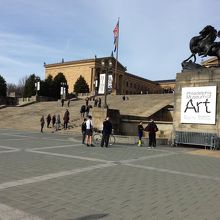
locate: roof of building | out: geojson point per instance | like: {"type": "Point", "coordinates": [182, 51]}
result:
{"type": "Point", "coordinates": [95, 60]}
{"type": "Point", "coordinates": [166, 80]}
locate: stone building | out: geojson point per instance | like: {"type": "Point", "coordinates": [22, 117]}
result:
{"type": "Point", "coordinates": [167, 86]}
{"type": "Point", "coordinates": [91, 69]}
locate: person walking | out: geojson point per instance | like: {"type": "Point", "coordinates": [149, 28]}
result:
{"type": "Point", "coordinates": [82, 111]}
{"type": "Point", "coordinates": [140, 133]}
{"type": "Point", "coordinates": [99, 102]}
{"type": "Point", "coordinates": [107, 130]}
{"type": "Point", "coordinates": [62, 102]}
{"type": "Point", "coordinates": [83, 129]}
{"type": "Point", "coordinates": [152, 129]}
{"type": "Point", "coordinates": [53, 120]}
{"type": "Point", "coordinates": [66, 119]}
{"type": "Point", "coordinates": [58, 122]}
{"type": "Point", "coordinates": [89, 131]}
{"type": "Point", "coordinates": [42, 124]}
{"type": "Point", "coordinates": [68, 103]}
{"type": "Point", "coordinates": [48, 120]}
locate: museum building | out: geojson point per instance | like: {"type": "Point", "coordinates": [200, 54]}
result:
{"type": "Point", "coordinates": [94, 72]}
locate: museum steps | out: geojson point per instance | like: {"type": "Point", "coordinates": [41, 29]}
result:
{"type": "Point", "coordinates": [28, 117]}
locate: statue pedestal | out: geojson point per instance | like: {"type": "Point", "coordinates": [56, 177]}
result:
{"type": "Point", "coordinates": [100, 114]}
{"type": "Point", "coordinates": [196, 78]}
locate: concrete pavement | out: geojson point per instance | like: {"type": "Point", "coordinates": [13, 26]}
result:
{"type": "Point", "coordinates": [52, 176]}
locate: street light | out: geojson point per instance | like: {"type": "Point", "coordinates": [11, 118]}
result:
{"type": "Point", "coordinates": [37, 85]}
{"type": "Point", "coordinates": [107, 66]}
{"type": "Point", "coordinates": [63, 90]}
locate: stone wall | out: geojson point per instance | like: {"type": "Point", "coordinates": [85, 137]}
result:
{"type": "Point", "coordinates": [100, 114]}
{"type": "Point", "coordinates": [196, 78]}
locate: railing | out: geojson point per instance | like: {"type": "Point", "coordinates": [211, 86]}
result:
{"type": "Point", "coordinates": [196, 138]}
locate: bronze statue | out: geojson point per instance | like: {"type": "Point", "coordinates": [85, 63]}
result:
{"type": "Point", "coordinates": [204, 45]}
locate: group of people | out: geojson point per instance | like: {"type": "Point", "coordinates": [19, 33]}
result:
{"type": "Point", "coordinates": [55, 120]}
{"type": "Point", "coordinates": [85, 109]}
{"type": "Point", "coordinates": [87, 131]}
{"type": "Point", "coordinates": [151, 128]}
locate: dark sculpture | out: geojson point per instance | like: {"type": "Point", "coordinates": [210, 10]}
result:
{"type": "Point", "coordinates": [203, 45]}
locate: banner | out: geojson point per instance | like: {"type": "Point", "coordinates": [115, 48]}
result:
{"type": "Point", "coordinates": [198, 105]}
{"type": "Point", "coordinates": [101, 84]}
{"type": "Point", "coordinates": [110, 79]}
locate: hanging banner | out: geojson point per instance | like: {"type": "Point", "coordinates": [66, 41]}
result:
{"type": "Point", "coordinates": [110, 79]}
{"type": "Point", "coordinates": [101, 84]}
{"type": "Point", "coordinates": [198, 105]}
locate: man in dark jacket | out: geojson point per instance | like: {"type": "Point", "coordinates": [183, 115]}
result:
{"type": "Point", "coordinates": [152, 129]}
{"type": "Point", "coordinates": [83, 129]}
{"type": "Point", "coordinates": [66, 119]}
{"type": "Point", "coordinates": [107, 130]}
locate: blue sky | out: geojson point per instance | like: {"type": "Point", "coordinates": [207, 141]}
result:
{"type": "Point", "coordinates": [153, 41]}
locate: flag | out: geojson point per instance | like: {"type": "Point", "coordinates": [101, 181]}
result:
{"type": "Point", "coordinates": [116, 35]}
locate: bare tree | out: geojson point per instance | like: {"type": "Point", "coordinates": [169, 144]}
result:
{"type": "Point", "coordinates": [21, 84]}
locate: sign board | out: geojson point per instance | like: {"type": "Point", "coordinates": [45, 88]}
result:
{"type": "Point", "coordinates": [198, 105]}
{"type": "Point", "coordinates": [110, 79]}
{"type": "Point", "coordinates": [102, 83]}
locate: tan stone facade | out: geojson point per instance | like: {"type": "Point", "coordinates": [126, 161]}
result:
{"type": "Point", "coordinates": [211, 62]}
{"type": "Point", "coordinates": [90, 69]}
{"type": "Point", "coordinates": [167, 85]}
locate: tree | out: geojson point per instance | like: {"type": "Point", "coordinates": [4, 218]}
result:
{"type": "Point", "coordinates": [58, 79]}
{"type": "Point", "coordinates": [29, 88]}
{"type": "Point", "coordinates": [81, 85]}
{"type": "Point", "coordinates": [46, 87]}
{"type": "Point", "coordinates": [17, 89]}
{"type": "Point", "coordinates": [21, 85]}
{"type": "Point", "coordinates": [3, 87]}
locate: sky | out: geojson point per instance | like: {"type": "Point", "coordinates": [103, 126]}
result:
{"type": "Point", "coordinates": [154, 35]}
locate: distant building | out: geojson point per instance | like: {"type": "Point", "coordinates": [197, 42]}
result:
{"type": "Point", "coordinates": [167, 86]}
{"type": "Point", "coordinates": [91, 69]}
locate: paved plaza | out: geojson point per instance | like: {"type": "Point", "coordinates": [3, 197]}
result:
{"type": "Point", "coordinates": [54, 177]}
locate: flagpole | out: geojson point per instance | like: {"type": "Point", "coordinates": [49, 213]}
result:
{"type": "Point", "coordinates": [116, 63]}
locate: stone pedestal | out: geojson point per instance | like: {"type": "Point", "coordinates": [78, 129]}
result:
{"type": "Point", "coordinates": [196, 78]}
{"type": "Point", "coordinates": [100, 114]}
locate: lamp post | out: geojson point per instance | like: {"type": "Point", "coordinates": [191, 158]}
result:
{"type": "Point", "coordinates": [107, 66]}
{"type": "Point", "coordinates": [63, 90]}
{"type": "Point", "coordinates": [37, 85]}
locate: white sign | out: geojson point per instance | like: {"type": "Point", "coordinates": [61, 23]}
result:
{"type": "Point", "coordinates": [110, 79]}
{"type": "Point", "coordinates": [198, 105]}
{"type": "Point", "coordinates": [101, 84]}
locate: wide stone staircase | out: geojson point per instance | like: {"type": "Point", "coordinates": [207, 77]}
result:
{"type": "Point", "coordinates": [28, 117]}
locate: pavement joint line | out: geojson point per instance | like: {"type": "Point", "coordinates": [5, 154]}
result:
{"type": "Point", "coordinates": [51, 147]}
{"type": "Point", "coordinates": [147, 157]}
{"type": "Point", "coordinates": [9, 213]}
{"type": "Point", "coordinates": [50, 176]}
{"type": "Point", "coordinates": [14, 135]}
{"type": "Point", "coordinates": [173, 172]}
{"type": "Point", "coordinates": [8, 149]}
{"type": "Point", "coordinates": [15, 139]}
{"type": "Point", "coordinates": [56, 139]}
{"type": "Point", "coordinates": [69, 156]}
